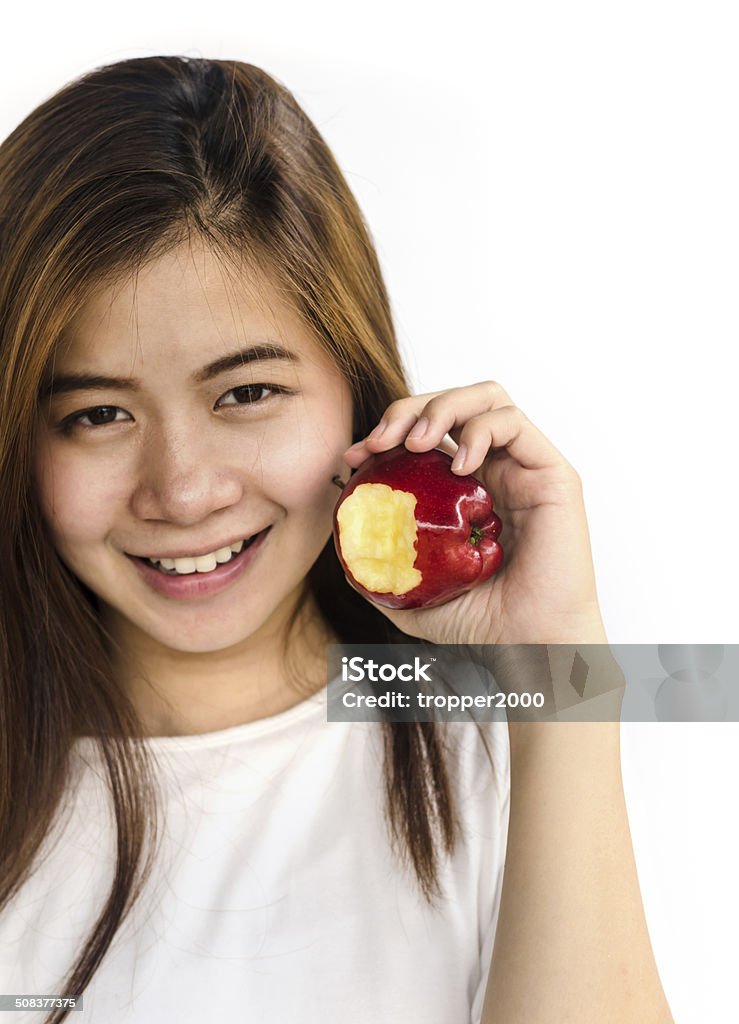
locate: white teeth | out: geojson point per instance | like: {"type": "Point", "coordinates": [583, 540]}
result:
{"type": "Point", "coordinates": [206, 563]}
{"type": "Point", "coordinates": [186, 565]}
{"type": "Point", "coordinates": [203, 563]}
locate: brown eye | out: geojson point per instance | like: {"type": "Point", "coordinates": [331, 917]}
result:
{"type": "Point", "coordinates": [251, 394]}
{"type": "Point", "coordinates": [98, 416]}
{"type": "Point", "coordinates": [101, 414]}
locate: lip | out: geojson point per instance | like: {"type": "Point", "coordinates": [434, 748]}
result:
{"type": "Point", "coordinates": [197, 584]}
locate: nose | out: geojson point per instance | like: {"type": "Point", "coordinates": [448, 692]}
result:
{"type": "Point", "coordinates": [184, 478]}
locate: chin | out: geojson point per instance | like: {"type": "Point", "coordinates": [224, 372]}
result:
{"type": "Point", "coordinates": [195, 633]}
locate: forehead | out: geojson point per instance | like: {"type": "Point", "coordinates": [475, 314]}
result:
{"type": "Point", "coordinates": [182, 306]}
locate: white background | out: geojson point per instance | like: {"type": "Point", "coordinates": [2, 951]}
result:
{"type": "Point", "coordinates": [553, 191]}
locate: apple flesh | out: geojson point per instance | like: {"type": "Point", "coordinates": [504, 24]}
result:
{"type": "Point", "coordinates": [410, 533]}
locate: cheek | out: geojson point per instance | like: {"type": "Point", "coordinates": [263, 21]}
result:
{"type": "Point", "coordinates": [297, 463]}
{"type": "Point", "coordinates": [76, 499]}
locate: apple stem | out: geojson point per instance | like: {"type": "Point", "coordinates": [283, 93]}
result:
{"type": "Point", "coordinates": [338, 481]}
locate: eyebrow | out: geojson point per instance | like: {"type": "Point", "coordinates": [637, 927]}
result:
{"type": "Point", "coordinates": [63, 383]}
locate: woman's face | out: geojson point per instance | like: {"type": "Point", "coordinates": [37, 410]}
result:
{"type": "Point", "coordinates": [189, 457]}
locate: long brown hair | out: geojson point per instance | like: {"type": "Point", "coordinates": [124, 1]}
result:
{"type": "Point", "coordinates": [112, 171]}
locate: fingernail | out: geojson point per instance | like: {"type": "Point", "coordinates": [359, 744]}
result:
{"type": "Point", "coordinates": [379, 429]}
{"type": "Point", "coordinates": [420, 428]}
{"type": "Point", "coordinates": [460, 456]}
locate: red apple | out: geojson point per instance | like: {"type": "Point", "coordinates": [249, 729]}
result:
{"type": "Point", "coordinates": [410, 533]}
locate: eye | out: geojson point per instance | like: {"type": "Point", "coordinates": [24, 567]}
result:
{"type": "Point", "coordinates": [246, 395]}
{"type": "Point", "coordinates": [99, 413]}
{"type": "Point", "coordinates": [251, 394]}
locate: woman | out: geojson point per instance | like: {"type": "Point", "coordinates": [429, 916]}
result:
{"type": "Point", "coordinates": [196, 340]}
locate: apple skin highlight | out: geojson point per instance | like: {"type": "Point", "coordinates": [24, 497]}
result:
{"type": "Point", "coordinates": [424, 536]}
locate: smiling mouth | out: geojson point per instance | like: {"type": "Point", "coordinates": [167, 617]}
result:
{"type": "Point", "coordinates": [191, 563]}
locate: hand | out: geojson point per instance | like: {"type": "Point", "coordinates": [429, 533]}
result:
{"type": "Point", "coordinates": [545, 590]}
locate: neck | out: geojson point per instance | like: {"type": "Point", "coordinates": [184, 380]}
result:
{"type": "Point", "coordinates": [180, 693]}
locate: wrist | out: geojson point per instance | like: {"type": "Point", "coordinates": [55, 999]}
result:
{"type": "Point", "coordinates": [583, 629]}
{"type": "Point", "coordinates": [558, 683]}
{"type": "Point", "coordinates": [587, 628]}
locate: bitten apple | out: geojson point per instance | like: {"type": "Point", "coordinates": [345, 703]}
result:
{"type": "Point", "coordinates": [410, 533]}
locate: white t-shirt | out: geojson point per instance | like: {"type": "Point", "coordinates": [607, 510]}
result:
{"type": "Point", "coordinates": [276, 896]}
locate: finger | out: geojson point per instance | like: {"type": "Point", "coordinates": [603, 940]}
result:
{"type": "Point", "coordinates": [410, 419]}
{"type": "Point", "coordinates": [397, 420]}
{"type": "Point", "coordinates": [446, 412]}
{"type": "Point", "coordinates": [506, 428]}
{"type": "Point", "coordinates": [360, 451]}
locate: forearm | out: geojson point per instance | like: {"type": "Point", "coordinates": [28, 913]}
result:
{"type": "Point", "coordinates": [572, 943]}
